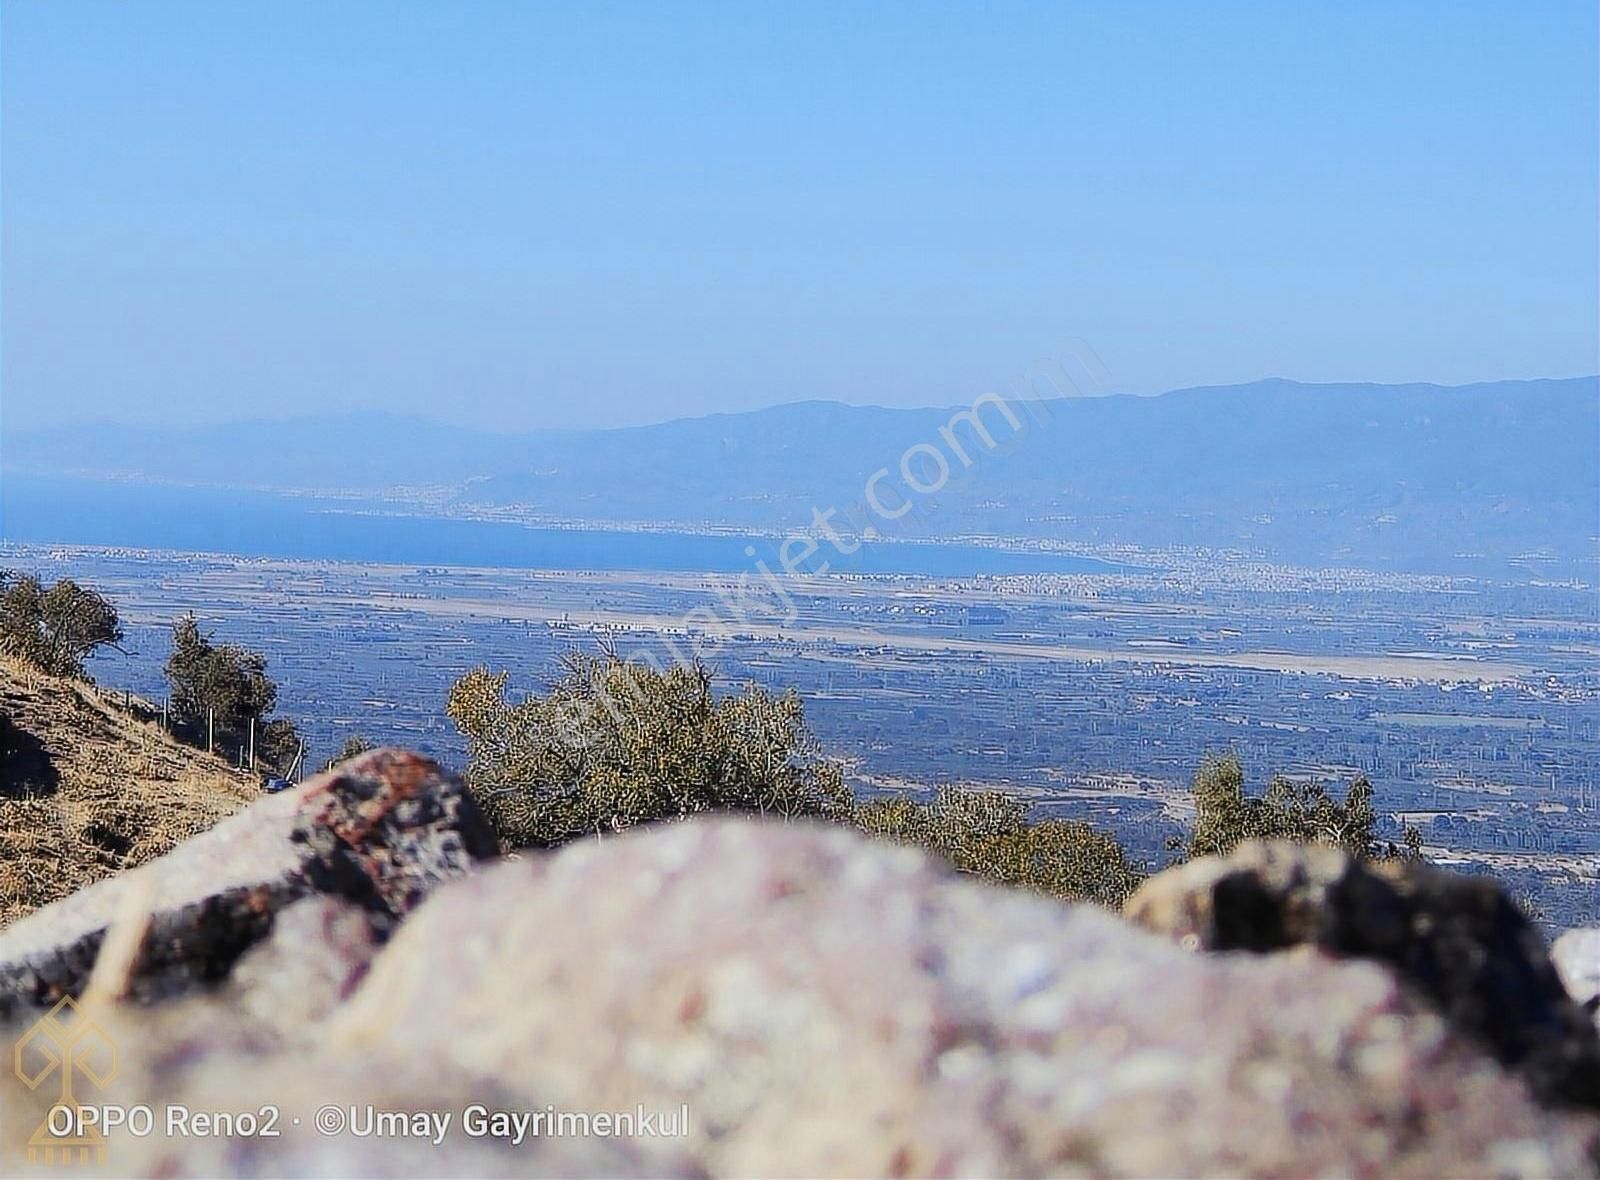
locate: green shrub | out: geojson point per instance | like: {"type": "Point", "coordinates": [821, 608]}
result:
{"type": "Point", "coordinates": [218, 690]}
{"type": "Point", "coordinates": [353, 746]}
{"type": "Point", "coordinates": [614, 744]}
{"type": "Point", "coordinates": [1225, 815]}
{"type": "Point", "coordinates": [54, 629]}
{"type": "Point", "coordinates": [987, 834]}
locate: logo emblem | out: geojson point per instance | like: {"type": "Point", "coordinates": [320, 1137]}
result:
{"type": "Point", "coordinates": [65, 1043]}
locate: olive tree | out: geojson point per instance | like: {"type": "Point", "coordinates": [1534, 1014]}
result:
{"type": "Point", "coordinates": [615, 743]}
{"type": "Point", "coordinates": [1226, 815]}
{"type": "Point", "coordinates": [987, 834]}
{"type": "Point", "coordinates": [219, 689]}
{"type": "Point", "coordinates": [54, 629]}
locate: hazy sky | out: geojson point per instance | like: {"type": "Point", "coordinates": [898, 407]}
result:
{"type": "Point", "coordinates": [528, 214]}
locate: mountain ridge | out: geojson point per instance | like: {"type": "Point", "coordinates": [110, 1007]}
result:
{"type": "Point", "coordinates": [1324, 473]}
{"type": "Point", "coordinates": [365, 417]}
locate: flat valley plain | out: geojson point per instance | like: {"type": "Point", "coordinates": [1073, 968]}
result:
{"type": "Point", "coordinates": [1472, 705]}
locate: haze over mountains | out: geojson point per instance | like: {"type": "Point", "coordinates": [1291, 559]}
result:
{"type": "Point", "coordinates": [1496, 477]}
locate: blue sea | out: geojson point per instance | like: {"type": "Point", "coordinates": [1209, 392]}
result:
{"type": "Point", "coordinates": [38, 510]}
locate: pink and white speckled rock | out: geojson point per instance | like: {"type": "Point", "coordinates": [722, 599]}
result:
{"type": "Point", "coordinates": [378, 831]}
{"type": "Point", "coordinates": [829, 1006]}
{"type": "Point", "coordinates": [1459, 942]}
{"type": "Point", "coordinates": [1576, 954]}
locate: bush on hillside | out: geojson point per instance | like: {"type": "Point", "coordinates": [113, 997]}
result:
{"type": "Point", "coordinates": [987, 834]}
{"type": "Point", "coordinates": [54, 629]}
{"type": "Point", "coordinates": [1225, 815]}
{"type": "Point", "coordinates": [614, 744]}
{"type": "Point", "coordinates": [218, 690]}
{"type": "Point", "coordinates": [353, 746]}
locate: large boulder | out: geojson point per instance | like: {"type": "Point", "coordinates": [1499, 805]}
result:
{"type": "Point", "coordinates": [379, 832]}
{"type": "Point", "coordinates": [318, 951]}
{"type": "Point", "coordinates": [824, 1005]}
{"type": "Point", "coordinates": [1459, 942]}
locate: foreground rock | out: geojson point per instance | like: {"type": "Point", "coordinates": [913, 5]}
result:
{"type": "Point", "coordinates": [380, 832]}
{"type": "Point", "coordinates": [827, 1006]}
{"type": "Point", "coordinates": [779, 1001]}
{"type": "Point", "coordinates": [1457, 941]}
{"type": "Point", "coordinates": [1577, 957]}
{"type": "Point", "coordinates": [318, 951]}
{"type": "Point", "coordinates": [194, 1057]}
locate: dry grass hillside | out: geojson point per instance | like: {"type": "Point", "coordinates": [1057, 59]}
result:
{"type": "Point", "coordinates": [87, 788]}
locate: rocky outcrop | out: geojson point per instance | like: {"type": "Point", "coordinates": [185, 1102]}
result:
{"type": "Point", "coordinates": [747, 998]}
{"type": "Point", "coordinates": [380, 832]}
{"type": "Point", "coordinates": [1456, 941]}
{"type": "Point", "coordinates": [318, 951]}
{"type": "Point", "coordinates": [823, 1005]}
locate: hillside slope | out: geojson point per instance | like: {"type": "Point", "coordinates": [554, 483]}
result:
{"type": "Point", "coordinates": [87, 789]}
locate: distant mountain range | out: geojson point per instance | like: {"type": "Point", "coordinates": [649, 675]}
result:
{"type": "Point", "coordinates": [1496, 476]}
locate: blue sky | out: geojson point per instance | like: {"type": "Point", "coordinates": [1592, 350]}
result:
{"type": "Point", "coordinates": [516, 215]}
